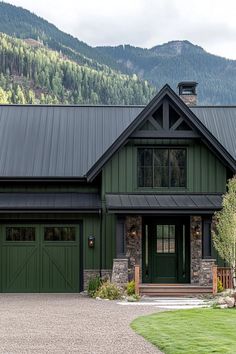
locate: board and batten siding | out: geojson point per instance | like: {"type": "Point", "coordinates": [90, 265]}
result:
{"type": "Point", "coordinates": [205, 172]}
{"type": "Point", "coordinates": [108, 240]}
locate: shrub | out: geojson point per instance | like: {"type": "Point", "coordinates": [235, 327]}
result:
{"type": "Point", "coordinates": [220, 287]}
{"type": "Point", "coordinates": [94, 284]}
{"type": "Point", "coordinates": [133, 298]}
{"type": "Point", "coordinates": [108, 291]}
{"type": "Point", "coordinates": [130, 288]}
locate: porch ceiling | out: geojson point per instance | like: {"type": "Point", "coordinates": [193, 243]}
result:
{"type": "Point", "coordinates": [163, 203]}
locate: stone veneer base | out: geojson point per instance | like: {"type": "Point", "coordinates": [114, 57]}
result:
{"type": "Point", "coordinates": [120, 272]}
{"type": "Point", "coordinates": [88, 273]}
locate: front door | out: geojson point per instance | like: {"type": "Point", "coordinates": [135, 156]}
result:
{"type": "Point", "coordinates": [166, 250]}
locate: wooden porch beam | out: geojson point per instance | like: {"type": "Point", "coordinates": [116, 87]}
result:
{"type": "Point", "coordinates": [162, 134]}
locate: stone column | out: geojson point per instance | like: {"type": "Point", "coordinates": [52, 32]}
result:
{"type": "Point", "coordinates": [134, 243]}
{"type": "Point", "coordinates": [120, 272]}
{"type": "Point", "coordinates": [206, 275]}
{"type": "Point", "coordinates": [196, 248]}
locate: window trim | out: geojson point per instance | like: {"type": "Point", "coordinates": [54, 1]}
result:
{"type": "Point", "coordinates": [169, 147]}
{"type": "Point", "coordinates": [12, 242]}
{"type": "Point", "coordinates": [44, 226]}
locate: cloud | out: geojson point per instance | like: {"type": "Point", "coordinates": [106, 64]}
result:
{"type": "Point", "coordinates": [144, 23]}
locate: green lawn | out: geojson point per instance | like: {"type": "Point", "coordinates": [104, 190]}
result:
{"type": "Point", "coordinates": [198, 331]}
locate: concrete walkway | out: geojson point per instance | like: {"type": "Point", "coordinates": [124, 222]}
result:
{"type": "Point", "coordinates": [69, 323]}
{"type": "Point", "coordinates": [169, 303]}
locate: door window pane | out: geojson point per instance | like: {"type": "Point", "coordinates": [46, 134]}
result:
{"type": "Point", "coordinates": [59, 234]}
{"type": "Point", "coordinates": [165, 238]}
{"type": "Point", "coordinates": [20, 233]}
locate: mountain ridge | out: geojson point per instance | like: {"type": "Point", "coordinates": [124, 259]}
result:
{"type": "Point", "coordinates": [170, 62]}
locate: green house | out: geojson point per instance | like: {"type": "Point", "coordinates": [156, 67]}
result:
{"type": "Point", "coordinates": [88, 190]}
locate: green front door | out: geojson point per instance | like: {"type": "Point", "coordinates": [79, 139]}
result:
{"type": "Point", "coordinates": [40, 258]}
{"type": "Point", "coordinates": [166, 250]}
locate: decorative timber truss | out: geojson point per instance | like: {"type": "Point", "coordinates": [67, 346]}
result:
{"type": "Point", "coordinates": [167, 121]}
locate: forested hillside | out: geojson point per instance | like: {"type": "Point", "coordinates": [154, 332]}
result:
{"type": "Point", "coordinates": [178, 61]}
{"type": "Point", "coordinates": [21, 23]}
{"type": "Point", "coordinates": [75, 72]}
{"type": "Point", "coordinates": [35, 74]}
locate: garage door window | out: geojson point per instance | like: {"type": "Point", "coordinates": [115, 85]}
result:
{"type": "Point", "coordinates": [59, 234]}
{"type": "Point", "coordinates": [20, 234]}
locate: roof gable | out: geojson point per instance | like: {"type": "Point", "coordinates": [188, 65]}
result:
{"type": "Point", "coordinates": [166, 121]}
{"type": "Point", "coordinates": [196, 126]}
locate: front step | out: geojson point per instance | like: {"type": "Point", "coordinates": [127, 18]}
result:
{"type": "Point", "coordinates": [173, 290]}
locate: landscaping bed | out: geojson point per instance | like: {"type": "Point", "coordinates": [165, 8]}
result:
{"type": "Point", "coordinates": [198, 331]}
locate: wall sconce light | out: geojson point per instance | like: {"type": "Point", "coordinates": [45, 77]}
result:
{"type": "Point", "coordinates": [133, 231]}
{"type": "Point", "coordinates": [91, 241]}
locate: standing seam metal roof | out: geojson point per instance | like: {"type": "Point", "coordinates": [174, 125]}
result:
{"type": "Point", "coordinates": [136, 201]}
{"type": "Point", "coordinates": [57, 141]}
{"type": "Point", "coordinates": [221, 122]}
{"type": "Point", "coordinates": [66, 141]}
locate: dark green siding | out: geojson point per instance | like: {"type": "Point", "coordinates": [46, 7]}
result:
{"type": "Point", "coordinates": [109, 239]}
{"type": "Point", "coordinates": [91, 227]}
{"type": "Point", "coordinates": [205, 172]}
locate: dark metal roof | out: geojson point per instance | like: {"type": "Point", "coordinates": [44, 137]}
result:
{"type": "Point", "coordinates": [58, 141]}
{"type": "Point", "coordinates": [221, 122]}
{"type": "Point", "coordinates": [147, 203]}
{"type": "Point", "coordinates": [81, 202]}
{"type": "Point", "coordinates": [68, 141]}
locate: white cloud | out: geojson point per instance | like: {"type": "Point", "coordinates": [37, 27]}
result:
{"type": "Point", "coordinates": [146, 23]}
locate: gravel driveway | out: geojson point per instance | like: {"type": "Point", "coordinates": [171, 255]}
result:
{"type": "Point", "coordinates": [68, 323]}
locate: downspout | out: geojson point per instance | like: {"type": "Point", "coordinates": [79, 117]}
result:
{"type": "Point", "coordinates": [101, 239]}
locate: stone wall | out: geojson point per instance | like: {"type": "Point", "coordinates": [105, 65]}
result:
{"type": "Point", "coordinates": [133, 243]}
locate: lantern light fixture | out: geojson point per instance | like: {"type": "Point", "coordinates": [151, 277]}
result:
{"type": "Point", "coordinates": [91, 241]}
{"type": "Point", "coordinates": [133, 231]}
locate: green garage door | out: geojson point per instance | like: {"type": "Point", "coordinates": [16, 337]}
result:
{"type": "Point", "coordinates": [40, 258]}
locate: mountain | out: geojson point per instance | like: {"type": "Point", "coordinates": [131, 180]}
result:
{"type": "Point", "coordinates": [18, 22]}
{"type": "Point", "coordinates": [179, 61]}
{"type": "Point", "coordinates": [170, 63]}
{"type": "Point", "coordinates": [32, 73]}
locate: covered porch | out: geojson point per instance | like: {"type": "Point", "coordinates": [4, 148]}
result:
{"type": "Point", "coordinates": [166, 238]}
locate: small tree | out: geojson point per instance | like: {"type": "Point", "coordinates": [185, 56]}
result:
{"type": "Point", "coordinates": [225, 236]}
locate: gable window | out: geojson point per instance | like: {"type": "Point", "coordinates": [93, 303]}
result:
{"type": "Point", "coordinates": [161, 167]}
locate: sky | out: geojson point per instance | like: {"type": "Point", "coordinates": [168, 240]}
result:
{"type": "Point", "coordinates": [144, 23]}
